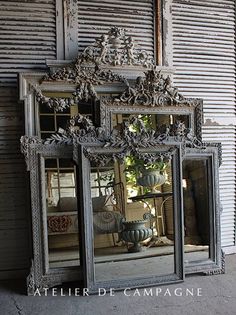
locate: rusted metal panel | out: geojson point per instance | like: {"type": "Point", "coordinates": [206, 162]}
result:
{"type": "Point", "coordinates": [135, 16]}
{"type": "Point", "coordinates": [204, 57]}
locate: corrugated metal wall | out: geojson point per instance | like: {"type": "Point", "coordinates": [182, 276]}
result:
{"type": "Point", "coordinates": [204, 56]}
{"type": "Point", "coordinates": [136, 16]}
{"type": "Point", "coordinates": [27, 38]}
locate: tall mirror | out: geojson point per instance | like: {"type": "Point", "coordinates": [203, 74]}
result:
{"type": "Point", "coordinates": [201, 211]}
{"type": "Point", "coordinates": [127, 240]}
{"type": "Point", "coordinates": [56, 242]}
{"type": "Point", "coordinates": [62, 214]}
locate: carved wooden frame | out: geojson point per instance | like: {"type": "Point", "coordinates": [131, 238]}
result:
{"type": "Point", "coordinates": [41, 276]}
{"type": "Point", "coordinates": [151, 91]}
{"type": "Point", "coordinates": [82, 159]}
{"type": "Point", "coordinates": [109, 106]}
{"type": "Point", "coordinates": [216, 262]}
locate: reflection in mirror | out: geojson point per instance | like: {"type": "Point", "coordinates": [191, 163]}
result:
{"type": "Point", "coordinates": [153, 120]}
{"type": "Point", "coordinates": [197, 205]}
{"type": "Point", "coordinates": [131, 219]}
{"type": "Point", "coordinates": [51, 120]}
{"type": "Point", "coordinates": [62, 217]}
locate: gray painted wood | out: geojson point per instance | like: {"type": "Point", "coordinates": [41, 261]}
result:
{"type": "Point", "coordinates": [135, 16]}
{"type": "Point", "coordinates": [204, 57]}
{"type": "Point", "coordinates": [27, 38]}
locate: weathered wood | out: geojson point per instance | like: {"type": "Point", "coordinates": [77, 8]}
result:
{"type": "Point", "coordinates": [158, 32]}
{"type": "Point", "coordinates": [27, 37]}
{"type": "Point", "coordinates": [204, 57]}
{"type": "Point", "coordinates": [137, 17]}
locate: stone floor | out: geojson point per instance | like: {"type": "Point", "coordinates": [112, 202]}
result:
{"type": "Point", "coordinates": [211, 295]}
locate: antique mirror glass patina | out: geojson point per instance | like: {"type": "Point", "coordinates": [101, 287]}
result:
{"type": "Point", "coordinates": [159, 110]}
{"type": "Point", "coordinates": [202, 211]}
{"type": "Point", "coordinates": [113, 113]}
{"type": "Point", "coordinates": [125, 232]}
{"type": "Point", "coordinates": [56, 245]}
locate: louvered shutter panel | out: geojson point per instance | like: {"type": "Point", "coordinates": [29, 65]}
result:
{"type": "Point", "coordinates": [204, 57]}
{"type": "Point", "coordinates": [96, 17]}
{"type": "Point", "coordinates": [27, 38]}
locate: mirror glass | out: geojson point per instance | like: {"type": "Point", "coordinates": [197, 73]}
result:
{"type": "Point", "coordinates": [62, 214]}
{"type": "Point", "coordinates": [50, 120]}
{"type": "Point", "coordinates": [152, 120]}
{"type": "Point", "coordinates": [197, 208]}
{"type": "Point", "coordinates": [133, 219]}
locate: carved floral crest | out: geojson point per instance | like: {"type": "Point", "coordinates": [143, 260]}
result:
{"type": "Point", "coordinates": [154, 90]}
{"type": "Point", "coordinates": [114, 48]}
{"type": "Point", "coordinates": [91, 68]}
{"type": "Point", "coordinates": [128, 138]}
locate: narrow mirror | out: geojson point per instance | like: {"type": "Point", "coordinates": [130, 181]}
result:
{"type": "Point", "coordinates": [62, 213]}
{"type": "Point", "coordinates": [197, 209]}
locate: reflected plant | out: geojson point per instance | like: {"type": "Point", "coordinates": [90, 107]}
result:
{"type": "Point", "coordinates": [135, 167]}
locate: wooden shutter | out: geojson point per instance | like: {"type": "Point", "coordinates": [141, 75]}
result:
{"type": "Point", "coordinates": [204, 57]}
{"type": "Point", "coordinates": [27, 38]}
{"type": "Point", "coordinates": [96, 17]}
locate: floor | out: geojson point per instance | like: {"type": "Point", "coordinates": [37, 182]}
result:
{"type": "Point", "coordinates": [198, 295]}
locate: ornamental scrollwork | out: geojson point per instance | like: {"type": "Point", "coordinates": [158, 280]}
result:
{"type": "Point", "coordinates": [85, 79]}
{"type": "Point", "coordinates": [115, 48]}
{"type": "Point", "coordinates": [25, 143]}
{"type": "Point", "coordinates": [112, 49]}
{"type": "Point", "coordinates": [154, 90]}
{"type": "Point", "coordinates": [102, 159]}
{"type": "Point", "coordinates": [80, 129]}
{"type": "Point", "coordinates": [128, 137]}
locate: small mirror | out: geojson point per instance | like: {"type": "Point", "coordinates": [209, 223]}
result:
{"type": "Point", "coordinates": [113, 113]}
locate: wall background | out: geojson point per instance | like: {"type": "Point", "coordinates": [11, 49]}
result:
{"type": "Point", "coordinates": [31, 31]}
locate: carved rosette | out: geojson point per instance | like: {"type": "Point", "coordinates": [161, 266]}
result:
{"type": "Point", "coordinates": [59, 223]}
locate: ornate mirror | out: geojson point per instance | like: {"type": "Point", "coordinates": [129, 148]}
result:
{"type": "Point", "coordinates": [137, 144]}
{"type": "Point", "coordinates": [122, 209]}
{"type": "Point", "coordinates": [55, 223]}
{"type": "Point", "coordinates": [152, 95]}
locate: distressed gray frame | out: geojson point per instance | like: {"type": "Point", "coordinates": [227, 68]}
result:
{"type": "Point", "coordinates": [85, 208]}
{"type": "Point", "coordinates": [92, 78]}
{"type": "Point", "coordinates": [41, 276]}
{"type": "Point", "coordinates": [109, 106]}
{"type": "Point", "coordinates": [216, 262]}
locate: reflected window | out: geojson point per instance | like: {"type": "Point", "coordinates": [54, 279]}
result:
{"type": "Point", "coordinates": [62, 217]}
